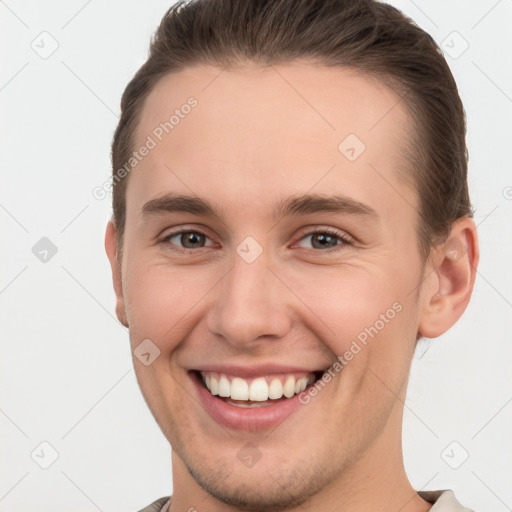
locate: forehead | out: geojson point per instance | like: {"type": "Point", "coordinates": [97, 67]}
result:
{"type": "Point", "coordinates": [261, 133]}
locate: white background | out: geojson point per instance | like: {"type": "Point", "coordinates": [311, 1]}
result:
{"type": "Point", "coordinates": [66, 371]}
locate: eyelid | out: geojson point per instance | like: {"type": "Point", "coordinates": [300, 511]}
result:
{"type": "Point", "coordinates": [183, 228]}
{"type": "Point", "coordinates": [171, 233]}
{"type": "Point", "coordinates": [345, 238]}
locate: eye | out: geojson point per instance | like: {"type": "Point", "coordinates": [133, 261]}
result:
{"type": "Point", "coordinates": [325, 240]}
{"type": "Point", "coordinates": [186, 240]}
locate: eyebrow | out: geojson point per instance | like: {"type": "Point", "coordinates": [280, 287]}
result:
{"type": "Point", "coordinates": [291, 206]}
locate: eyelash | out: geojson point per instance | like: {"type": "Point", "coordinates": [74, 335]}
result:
{"type": "Point", "coordinates": [324, 231]}
{"type": "Point", "coordinates": [343, 240]}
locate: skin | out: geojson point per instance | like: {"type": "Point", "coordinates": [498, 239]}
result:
{"type": "Point", "coordinates": [257, 136]}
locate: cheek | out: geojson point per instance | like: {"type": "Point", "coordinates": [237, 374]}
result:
{"type": "Point", "coordinates": [365, 317]}
{"type": "Point", "coordinates": [159, 300]}
{"type": "Point", "coordinates": [346, 300]}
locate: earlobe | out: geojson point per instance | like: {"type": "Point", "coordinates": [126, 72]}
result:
{"type": "Point", "coordinates": [449, 286]}
{"type": "Point", "coordinates": [115, 265]}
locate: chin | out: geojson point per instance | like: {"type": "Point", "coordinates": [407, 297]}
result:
{"type": "Point", "coordinates": [276, 482]}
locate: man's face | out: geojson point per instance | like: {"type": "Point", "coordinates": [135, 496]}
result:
{"type": "Point", "coordinates": [261, 294]}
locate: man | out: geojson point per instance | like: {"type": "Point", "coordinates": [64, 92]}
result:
{"type": "Point", "coordinates": [291, 215]}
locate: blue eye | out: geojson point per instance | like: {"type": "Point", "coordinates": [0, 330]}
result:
{"type": "Point", "coordinates": [192, 240]}
{"type": "Point", "coordinates": [326, 240]}
{"type": "Point", "coordinates": [188, 240]}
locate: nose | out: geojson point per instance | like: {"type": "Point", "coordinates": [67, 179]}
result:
{"type": "Point", "coordinates": [250, 304]}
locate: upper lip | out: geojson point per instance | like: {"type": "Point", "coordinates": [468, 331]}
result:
{"type": "Point", "coordinates": [256, 370]}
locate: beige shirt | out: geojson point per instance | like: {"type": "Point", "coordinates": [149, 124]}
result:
{"type": "Point", "coordinates": [443, 501]}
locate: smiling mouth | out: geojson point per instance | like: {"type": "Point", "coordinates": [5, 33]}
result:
{"type": "Point", "coordinates": [256, 392]}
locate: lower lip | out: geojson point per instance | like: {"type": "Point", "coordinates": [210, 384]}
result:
{"type": "Point", "coordinates": [248, 419]}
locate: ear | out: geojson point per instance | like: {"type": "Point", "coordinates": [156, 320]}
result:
{"type": "Point", "coordinates": [449, 284]}
{"type": "Point", "coordinates": [115, 264]}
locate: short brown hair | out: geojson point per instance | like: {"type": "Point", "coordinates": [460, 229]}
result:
{"type": "Point", "coordinates": [373, 37]}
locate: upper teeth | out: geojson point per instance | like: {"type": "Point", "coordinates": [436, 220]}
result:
{"type": "Point", "coordinates": [259, 389]}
